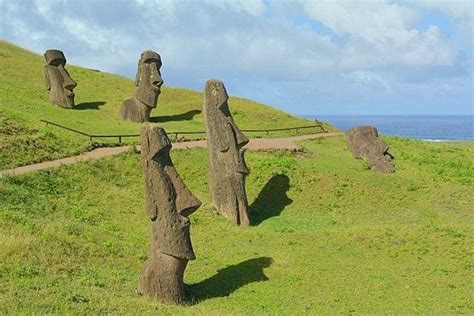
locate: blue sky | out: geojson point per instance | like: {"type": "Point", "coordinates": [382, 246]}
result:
{"type": "Point", "coordinates": [306, 57]}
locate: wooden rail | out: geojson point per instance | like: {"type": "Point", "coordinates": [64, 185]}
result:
{"type": "Point", "coordinates": [176, 133]}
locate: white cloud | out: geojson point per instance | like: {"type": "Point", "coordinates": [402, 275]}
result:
{"type": "Point", "coordinates": [383, 33]}
{"type": "Point", "coordinates": [288, 53]}
{"type": "Point", "coordinates": [461, 12]}
{"type": "Point", "coordinates": [367, 79]}
{"type": "Point", "coordinates": [252, 7]}
{"type": "Point", "coordinates": [378, 22]}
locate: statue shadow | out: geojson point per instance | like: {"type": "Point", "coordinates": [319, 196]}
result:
{"type": "Point", "coordinates": [178, 117]}
{"type": "Point", "coordinates": [272, 200]}
{"type": "Point", "coordinates": [228, 280]}
{"type": "Point", "coordinates": [187, 116]}
{"type": "Point", "coordinates": [89, 105]}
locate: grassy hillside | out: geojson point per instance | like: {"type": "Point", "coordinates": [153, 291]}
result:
{"type": "Point", "coordinates": [24, 101]}
{"type": "Point", "coordinates": [329, 236]}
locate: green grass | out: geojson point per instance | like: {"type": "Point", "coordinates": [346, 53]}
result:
{"type": "Point", "coordinates": [24, 101]}
{"type": "Point", "coordinates": [330, 236]}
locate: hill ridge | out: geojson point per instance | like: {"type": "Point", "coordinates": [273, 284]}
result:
{"type": "Point", "coordinates": [24, 101]}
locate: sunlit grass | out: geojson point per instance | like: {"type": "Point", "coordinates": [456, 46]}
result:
{"type": "Point", "coordinates": [329, 236]}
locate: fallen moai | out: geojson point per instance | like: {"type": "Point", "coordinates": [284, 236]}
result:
{"type": "Point", "coordinates": [364, 143]}
{"type": "Point", "coordinates": [169, 203]}
{"type": "Point", "coordinates": [227, 168]}
{"type": "Point", "coordinates": [58, 81]}
{"type": "Point", "coordinates": [148, 82]}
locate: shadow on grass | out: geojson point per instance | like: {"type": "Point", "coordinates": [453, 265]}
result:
{"type": "Point", "coordinates": [272, 200]}
{"type": "Point", "coordinates": [229, 279]}
{"type": "Point", "coordinates": [178, 117]}
{"type": "Point", "coordinates": [89, 105]}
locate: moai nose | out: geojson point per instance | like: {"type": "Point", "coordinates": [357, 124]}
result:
{"type": "Point", "coordinates": [241, 139]}
{"type": "Point", "coordinates": [68, 82]}
{"type": "Point", "coordinates": [156, 79]}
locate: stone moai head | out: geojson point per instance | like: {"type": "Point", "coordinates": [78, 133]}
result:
{"type": "Point", "coordinates": [364, 143]}
{"type": "Point", "coordinates": [223, 132]}
{"type": "Point", "coordinates": [227, 168]}
{"type": "Point", "coordinates": [148, 79]}
{"type": "Point", "coordinates": [169, 203]}
{"type": "Point", "coordinates": [58, 81]}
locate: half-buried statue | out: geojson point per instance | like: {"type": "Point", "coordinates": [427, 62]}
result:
{"type": "Point", "coordinates": [148, 82]}
{"type": "Point", "coordinates": [168, 205]}
{"type": "Point", "coordinates": [58, 81]}
{"type": "Point", "coordinates": [227, 168]}
{"type": "Point", "coordinates": [364, 143]}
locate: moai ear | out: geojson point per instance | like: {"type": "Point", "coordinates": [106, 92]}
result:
{"type": "Point", "coordinates": [47, 81]}
{"type": "Point", "coordinates": [222, 143]}
{"type": "Point", "coordinates": [139, 70]}
{"type": "Point", "coordinates": [220, 138]}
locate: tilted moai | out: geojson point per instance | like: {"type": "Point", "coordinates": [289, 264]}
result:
{"type": "Point", "coordinates": [364, 143]}
{"type": "Point", "coordinates": [148, 82]}
{"type": "Point", "coordinates": [227, 168]}
{"type": "Point", "coordinates": [58, 81]}
{"type": "Point", "coordinates": [168, 204]}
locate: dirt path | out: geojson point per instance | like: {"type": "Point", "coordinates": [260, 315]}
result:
{"type": "Point", "coordinates": [286, 143]}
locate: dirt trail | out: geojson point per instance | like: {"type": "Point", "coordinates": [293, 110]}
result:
{"type": "Point", "coordinates": [286, 143]}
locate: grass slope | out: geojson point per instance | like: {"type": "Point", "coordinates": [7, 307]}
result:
{"type": "Point", "coordinates": [330, 236]}
{"type": "Point", "coordinates": [24, 101]}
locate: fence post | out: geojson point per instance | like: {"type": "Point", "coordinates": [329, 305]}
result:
{"type": "Point", "coordinates": [120, 139]}
{"type": "Point", "coordinates": [320, 125]}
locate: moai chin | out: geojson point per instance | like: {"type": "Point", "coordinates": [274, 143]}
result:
{"type": "Point", "coordinates": [227, 168]}
{"type": "Point", "coordinates": [364, 143]}
{"type": "Point", "coordinates": [148, 82]}
{"type": "Point", "coordinates": [169, 203]}
{"type": "Point", "coordinates": [58, 81]}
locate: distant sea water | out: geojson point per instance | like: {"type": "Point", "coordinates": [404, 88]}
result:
{"type": "Point", "coordinates": [424, 127]}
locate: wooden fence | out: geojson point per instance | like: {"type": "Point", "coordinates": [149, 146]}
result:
{"type": "Point", "coordinates": [318, 125]}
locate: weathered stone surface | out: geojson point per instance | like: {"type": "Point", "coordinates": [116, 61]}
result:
{"type": "Point", "coordinates": [148, 82]}
{"type": "Point", "coordinates": [168, 204]}
{"type": "Point", "coordinates": [364, 143]}
{"type": "Point", "coordinates": [227, 168]}
{"type": "Point", "coordinates": [58, 81]}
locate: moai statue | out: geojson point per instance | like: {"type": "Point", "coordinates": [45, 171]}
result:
{"type": "Point", "coordinates": [227, 168]}
{"type": "Point", "coordinates": [148, 82]}
{"type": "Point", "coordinates": [364, 143]}
{"type": "Point", "coordinates": [168, 204]}
{"type": "Point", "coordinates": [58, 81]}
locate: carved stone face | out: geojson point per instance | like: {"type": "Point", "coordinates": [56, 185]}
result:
{"type": "Point", "coordinates": [57, 79]}
{"type": "Point", "coordinates": [224, 133]}
{"type": "Point", "coordinates": [364, 143]}
{"type": "Point", "coordinates": [169, 201]}
{"type": "Point", "coordinates": [148, 79]}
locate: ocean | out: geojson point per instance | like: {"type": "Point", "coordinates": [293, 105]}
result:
{"type": "Point", "coordinates": [424, 127]}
